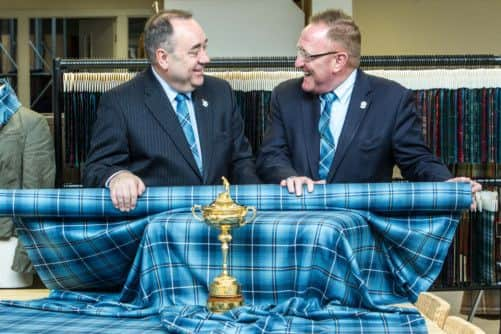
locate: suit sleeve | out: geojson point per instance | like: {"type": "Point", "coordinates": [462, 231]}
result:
{"type": "Point", "coordinates": [243, 164]}
{"type": "Point", "coordinates": [274, 162]}
{"type": "Point", "coordinates": [413, 157]}
{"type": "Point", "coordinates": [109, 149]}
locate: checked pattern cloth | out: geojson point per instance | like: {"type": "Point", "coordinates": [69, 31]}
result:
{"type": "Point", "coordinates": [329, 261]}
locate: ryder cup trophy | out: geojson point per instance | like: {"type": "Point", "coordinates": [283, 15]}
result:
{"type": "Point", "coordinates": [224, 214]}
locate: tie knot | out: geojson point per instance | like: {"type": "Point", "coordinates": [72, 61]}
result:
{"type": "Point", "coordinates": [328, 98]}
{"type": "Point", "coordinates": [181, 97]}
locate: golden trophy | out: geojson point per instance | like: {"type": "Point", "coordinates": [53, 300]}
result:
{"type": "Point", "coordinates": [224, 214]}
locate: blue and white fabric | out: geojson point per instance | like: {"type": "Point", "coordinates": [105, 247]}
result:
{"type": "Point", "coordinates": [9, 103]}
{"type": "Point", "coordinates": [329, 261]}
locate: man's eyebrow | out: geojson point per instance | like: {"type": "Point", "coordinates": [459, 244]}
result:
{"type": "Point", "coordinates": [199, 45]}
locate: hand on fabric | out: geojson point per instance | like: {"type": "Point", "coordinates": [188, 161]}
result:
{"type": "Point", "coordinates": [475, 187]}
{"type": "Point", "coordinates": [295, 184]}
{"type": "Point", "coordinates": [125, 188]}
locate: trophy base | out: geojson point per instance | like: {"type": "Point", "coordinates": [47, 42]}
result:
{"type": "Point", "coordinates": [224, 294]}
{"type": "Point", "coordinates": [223, 304]}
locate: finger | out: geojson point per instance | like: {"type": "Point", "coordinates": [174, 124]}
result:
{"type": "Point", "coordinates": [283, 183]}
{"type": "Point", "coordinates": [127, 202]}
{"type": "Point", "coordinates": [133, 198]}
{"type": "Point", "coordinates": [121, 202]}
{"type": "Point", "coordinates": [475, 187]}
{"type": "Point", "coordinates": [309, 185]}
{"type": "Point", "coordinates": [290, 185]}
{"type": "Point", "coordinates": [122, 194]}
{"type": "Point", "coordinates": [298, 185]}
{"type": "Point", "coordinates": [114, 198]}
{"type": "Point", "coordinates": [140, 188]}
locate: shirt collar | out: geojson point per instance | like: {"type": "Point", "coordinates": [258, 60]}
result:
{"type": "Point", "coordinates": [343, 91]}
{"type": "Point", "coordinates": [169, 91]}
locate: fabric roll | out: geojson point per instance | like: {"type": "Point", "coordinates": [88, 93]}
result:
{"type": "Point", "coordinates": [378, 197]}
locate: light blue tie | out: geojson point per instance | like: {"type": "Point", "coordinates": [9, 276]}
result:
{"type": "Point", "coordinates": [184, 119]}
{"type": "Point", "coordinates": [327, 146]}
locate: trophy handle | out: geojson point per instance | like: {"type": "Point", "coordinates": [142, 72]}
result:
{"type": "Point", "coordinates": [194, 212]}
{"type": "Point", "coordinates": [253, 209]}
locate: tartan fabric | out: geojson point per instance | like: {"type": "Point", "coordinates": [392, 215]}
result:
{"type": "Point", "coordinates": [24, 320]}
{"type": "Point", "coordinates": [374, 197]}
{"type": "Point", "coordinates": [327, 146]}
{"type": "Point", "coordinates": [301, 271]}
{"type": "Point", "coordinates": [31, 321]}
{"type": "Point", "coordinates": [184, 120]}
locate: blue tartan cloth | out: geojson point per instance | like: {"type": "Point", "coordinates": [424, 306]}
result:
{"type": "Point", "coordinates": [375, 197]}
{"type": "Point", "coordinates": [330, 261]}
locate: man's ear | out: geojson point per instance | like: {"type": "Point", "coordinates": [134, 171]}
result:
{"type": "Point", "coordinates": [340, 61]}
{"type": "Point", "coordinates": [162, 58]}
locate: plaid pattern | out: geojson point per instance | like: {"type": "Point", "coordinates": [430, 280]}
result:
{"type": "Point", "coordinates": [184, 120]}
{"type": "Point", "coordinates": [9, 103]}
{"type": "Point", "coordinates": [375, 197]}
{"type": "Point", "coordinates": [23, 320]}
{"type": "Point", "coordinates": [327, 146]}
{"type": "Point", "coordinates": [30, 321]}
{"type": "Point", "coordinates": [300, 271]}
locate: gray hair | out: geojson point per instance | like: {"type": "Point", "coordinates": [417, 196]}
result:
{"type": "Point", "coordinates": [342, 29]}
{"type": "Point", "coordinates": [158, 31]}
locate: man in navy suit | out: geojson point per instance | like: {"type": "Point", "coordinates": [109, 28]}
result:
{"type": "Point", "coordinates": [170, 125]}
{"type": "Point", "coordinates": [370, 124]}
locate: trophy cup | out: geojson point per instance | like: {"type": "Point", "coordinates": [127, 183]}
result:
{"type": "Point", "coordinates": [224, 214]}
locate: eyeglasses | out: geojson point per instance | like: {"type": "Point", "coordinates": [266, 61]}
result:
{"type": "Point", "coordinates": [307, 57]}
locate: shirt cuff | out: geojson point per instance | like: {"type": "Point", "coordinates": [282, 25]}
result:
{"type": "Point", "coordinates": [108, 181]}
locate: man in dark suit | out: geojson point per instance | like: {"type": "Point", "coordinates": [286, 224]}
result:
{"type": "Point", "coordinates": [338, 124]}
{"type": "Point", "coordinates": [170, 125]}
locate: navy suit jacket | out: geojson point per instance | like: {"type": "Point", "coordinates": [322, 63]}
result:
{"type": "Point", "coordinates": [381, 129]}
{"type": "Point", "coordinates": [137, 130]}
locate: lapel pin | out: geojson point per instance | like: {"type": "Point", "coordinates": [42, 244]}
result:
{"type": "Point", "coordinates": [205, 103]}
{"type": "Point", "coordinates": [363, 105]}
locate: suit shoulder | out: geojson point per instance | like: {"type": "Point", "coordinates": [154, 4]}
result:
{"type": "Point", "coordinates": [291, 86]}
{"type": "Point", "coordinates": [212, 81]}
{"type": "Point", "coordinates": [30, 122]}
{"type": "Point", "coordinates": [30, 117]}
{"type": "Point", "coordinates": [386, 84]}
{"type": "Point", "coordinates": [134, 85]}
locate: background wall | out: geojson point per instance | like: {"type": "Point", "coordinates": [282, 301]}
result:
{"type": "Point", "coordinates": [391, 27]}
{"type": "Point", "coordinates": [320, 5]}
{"type": "Point", "coordinates": [246, 28]}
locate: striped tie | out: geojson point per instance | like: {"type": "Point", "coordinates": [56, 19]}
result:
{"type": "Point", "coordinates": [327, 146]}
{"type": "Point", "coordinates": [184, 119]}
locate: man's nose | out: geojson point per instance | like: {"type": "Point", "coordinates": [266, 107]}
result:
{"type": "Point", "coordinates": [204, 57]}
{"type": "Point", "coordinates": [299, 63]}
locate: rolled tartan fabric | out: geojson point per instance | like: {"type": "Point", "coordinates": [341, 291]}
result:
{"type": "Point", "coordinates": [375, 197]}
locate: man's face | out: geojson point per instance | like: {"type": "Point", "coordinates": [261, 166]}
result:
{"type": "Point", "coordinates": [186, 63]}
{"type": "Point", "coordinates": [318, 71]}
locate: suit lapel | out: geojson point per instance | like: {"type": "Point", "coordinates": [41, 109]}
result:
{"type": "Point", "coordinates": [205, 125]}
{"type": "Point", "coordinates": [159, 105]}
{"type": "Point", "coordinates": [359, 103]}
{"type": "Point", "coordinates": [311, 115]}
